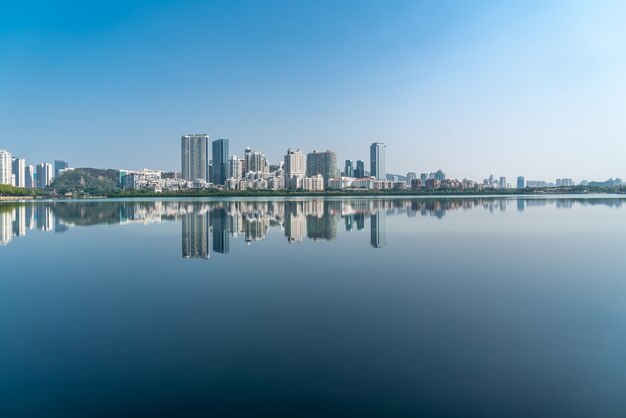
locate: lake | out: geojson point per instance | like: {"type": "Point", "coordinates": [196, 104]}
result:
{"type": "Point", "coordinates": [320, 307]}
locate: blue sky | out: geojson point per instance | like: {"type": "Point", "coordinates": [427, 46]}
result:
{"type": "Point", "coordinates": [523, 87]}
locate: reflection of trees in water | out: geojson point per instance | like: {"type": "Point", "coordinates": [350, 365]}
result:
{"type": "Point", "coordinates": [215, 222]}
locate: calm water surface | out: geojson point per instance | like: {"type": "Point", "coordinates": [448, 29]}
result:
{"type": "Point", "coordinates": [481, 307]}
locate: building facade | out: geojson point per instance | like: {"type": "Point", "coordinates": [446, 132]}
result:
{"type": "Point", "coordinates": [19, 172]}
{"type": "Point", "coordinates": [255, 162]}
{"type": "Point", "coordinates": [295, 163]}
{"type": "Point", "coordinates": [410, 176]}
{"type": "Point", "coordinates": [29, 177]}
{"type": "Point", "coordinates": [377, 161]}
{"type": "Point", "coordinates": [219, 168]}
{"type": "Point", "coordinates": [359, 171]}
{"type": "Point", "coordinates": [322, 163]}
{"type": "Point", "coordinates": [234, 168]}
{"type": "Point", "coordinates": [6, 167]}
{"type": "Point", "coordinates": [195, 157]}
{"type": "Point", "coordinates": [44, 175]}
{"type": "Point", "coordinates": [349, 169]}
{"type": "Point", "coordinates": [58, 166]}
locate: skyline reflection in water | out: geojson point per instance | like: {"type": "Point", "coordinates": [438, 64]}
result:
{"type": "Point", "coordinates": [208, 226]}
{"type": "Point", "coordinates": [319, 307]}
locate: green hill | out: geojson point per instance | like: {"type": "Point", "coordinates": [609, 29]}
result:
{"type": "Point", "coordinates": [92, 181]}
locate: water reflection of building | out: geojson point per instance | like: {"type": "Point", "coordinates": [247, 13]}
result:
{"type": "Point", "coordinates": [323, 226]}
{"type": "Point", "coordinates": [19, 221]}
{"type": "Point", "coordinates": [196, 239]}
{"type": "Point", "coordinates": [220, 226]}
{"type": "Point", "coordinates": [378, 229]}
{"type": "Point", "coordinates": [6, 227]}
{"type": "Point", "coordinates": [45, 217]}
{"type": "Point", "coordinates": [214, 224]}
{"type": "Point", "coordinates": [295, 222]}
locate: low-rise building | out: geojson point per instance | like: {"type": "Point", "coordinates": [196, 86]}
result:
{"type": "Point", "coordinates": [313, 183]}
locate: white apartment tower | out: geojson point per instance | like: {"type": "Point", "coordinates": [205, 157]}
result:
{"type": "Point", "coordinates": [6, 167]}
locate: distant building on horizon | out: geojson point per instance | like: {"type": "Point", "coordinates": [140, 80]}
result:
{"type": "Point", "coordinates": [521, 183]}
{"type": "Point", "coordinates": [410, 176]}
{"type": "Point", "coordinates": [219, 169]}
{"type": "Point", "coordinates": [349, 169]}
{"type": "Point", "coordinates": [6, 167]}
{"type": "Point", "coordinates": [377, 161]}
{"type": "Point", "coordinates": [322, 163]}
{"type": "Point", "coordinates": [359, 171]}
{"type": "Point", "coordinates": [295, 168]}
{"type": "Point", "coordinates": [195, 157]}
{"type": "Point", "coordinates": [234, 168]}
{"type": "Point", "coordinates": [19, 172]}
{"type": "Point", "coordinates": [58, 166]}
{"type": "Point", "coordinates": [502, 182]}
{"type": "Point", "coordinates": [29, 177]}
{"type": "Point", "coordinates": [44, 175]}
{"type": "Point", "coordinates": [255, 162]}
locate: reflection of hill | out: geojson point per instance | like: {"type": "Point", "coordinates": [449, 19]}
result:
{"type": "Point", "coordinates": [88, 213]}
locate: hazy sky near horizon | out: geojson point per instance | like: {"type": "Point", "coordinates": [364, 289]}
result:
{"type": "Point", "coordinates": [534, 88]}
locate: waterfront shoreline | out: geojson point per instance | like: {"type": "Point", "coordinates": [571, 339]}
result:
{"type": "Point", "coordinates": [332, 194]}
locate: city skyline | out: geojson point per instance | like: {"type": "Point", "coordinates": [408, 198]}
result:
{"type": "Point", "coordinates": [453, 86]}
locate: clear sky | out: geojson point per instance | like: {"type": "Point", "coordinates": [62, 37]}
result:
{"type": "Point", "coordinates": [505, 87]}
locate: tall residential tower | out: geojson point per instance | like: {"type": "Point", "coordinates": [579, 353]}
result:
{"type": "Point", "coordinates": [6, 167]}
{"type": "Point", "coordinates": [323, 163]}
{"type": "Point", "coordinates": [195, 157]}
{"type": "Point", "coordinates": [377, 161]}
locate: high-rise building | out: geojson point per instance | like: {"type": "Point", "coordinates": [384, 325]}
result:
{"type": "Point", "coordinates": [322, 163]}
{"type": "Point", "coordinates": [377, 161]}
{"type": "Point", "coordinates": [410, 176]}
{"type": "Point", "coordinates": [29, 177]}
{"type": "Point", "coordinates": [564, 182]}
{"type": "Point", "coordinates": [255, 162]}
{"type": "Point", "coordinates": [234, 168]}
{"type": "Point", "coordinates": [359, 171]}
{"type": "Point", "coordinates": [349, 169]}
{"type": "Point", "coordinates": [502, 182]}
{"type": "Point", "coordinates": [19, 172]}
{"type": "Point", "coordinates": [440, 175]}
{"type": "Point", "coordinates": [295, 163]}
{"type": "Point", "coordinates": [6, 167]}
{"type": "Point", "coordinates": [195, 157]}
{"type": "Point", "coordinates": [44, 175]}
{"type": "Point", "coordinates": [423, 178]}
{"type": "Point", "coordinates": [219, 173]}
{"type": "Point", "coordinates": [58, 166]}
{"type": "Point", "coordinates": [521, 184]}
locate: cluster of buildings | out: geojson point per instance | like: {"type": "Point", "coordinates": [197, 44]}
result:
{"type": "Point", "coordinates": [16, 172]}
{"type": "Point", "coordinates": [208, 164]}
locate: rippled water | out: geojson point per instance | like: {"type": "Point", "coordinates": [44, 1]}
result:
{"type": "Point", "coordinates": [314, 307]}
